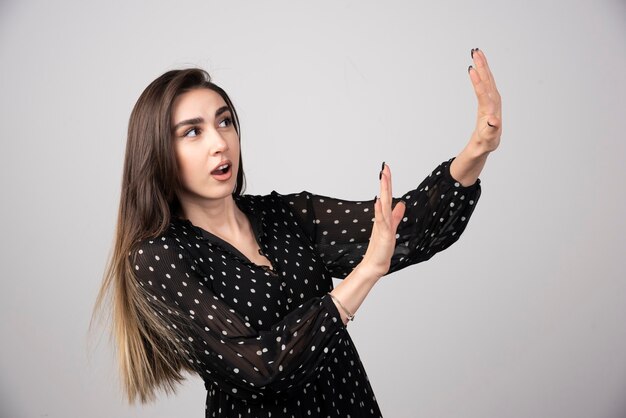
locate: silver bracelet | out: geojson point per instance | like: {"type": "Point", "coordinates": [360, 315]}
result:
{"type": "Point", "coordinates": [347, 312]}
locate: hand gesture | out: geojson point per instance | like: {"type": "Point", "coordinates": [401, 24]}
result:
{"type": "Point", "coordinates": [382, 242]}
{"type": "Point", "coordinates": [488, 130]}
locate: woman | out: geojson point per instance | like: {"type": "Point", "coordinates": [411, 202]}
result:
{"type": "Point", "coordinates": [238, 288]}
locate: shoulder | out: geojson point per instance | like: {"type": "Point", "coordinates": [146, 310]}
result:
{"type": "Point", "coordinates": [254, 201]}
{"type": "Point", "coordinates": [292, 199]}
{"type": "Point", "coordinates": [168, 262]}
{"type": "Point", "coordinates": [276, 208]}
{"type": "Point", "coordinates": [176, 242]}
{"type": "Point", "coordinates": [272, 203]}
{"type": "Point", "coordinates": [274, 197]}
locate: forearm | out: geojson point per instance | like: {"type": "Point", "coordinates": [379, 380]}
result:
{"type": "Point", "coordinates": [353, 290]}
{"type": "Point", "coordinates": [467, 166]}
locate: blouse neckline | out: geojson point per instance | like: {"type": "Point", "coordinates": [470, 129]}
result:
{"type": "Point", "coordinates": [257, 229]}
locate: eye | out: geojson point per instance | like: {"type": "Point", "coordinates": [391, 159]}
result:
{"type": "Point", "coordinates": [226, 122]}
{"type": "Point", "coordinates": [192, 132]}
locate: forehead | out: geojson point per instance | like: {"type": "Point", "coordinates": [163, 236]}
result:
{"type": "Point", "coordinates": [196, 103]}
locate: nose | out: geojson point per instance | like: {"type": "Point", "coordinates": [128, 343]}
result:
{"type": "Point", "coordinates": [217, 143]}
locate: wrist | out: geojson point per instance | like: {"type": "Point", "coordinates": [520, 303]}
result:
{"type": "Point", "coordinates": [366, 272]}
{"type": "Point", "coordinates": [467, 166]}
{"type": "Point", "coordinates": [476, 148]}
{"type": "Point", "coordinates": [353, 290]}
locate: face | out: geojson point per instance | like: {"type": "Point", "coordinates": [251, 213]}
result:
{"type": "Point", "coordinates": [206, 145]}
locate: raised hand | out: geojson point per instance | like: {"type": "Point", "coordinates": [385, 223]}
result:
{"type": "Point", "coordinates": [382, 242]}
{"type": "Point", "coordinates": [486, 136]}
{"type": "Point", "coordinates": [353, 290]}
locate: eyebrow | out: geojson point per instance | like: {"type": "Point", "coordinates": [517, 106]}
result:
{"type": "Point", "coordinates": [199, 120]}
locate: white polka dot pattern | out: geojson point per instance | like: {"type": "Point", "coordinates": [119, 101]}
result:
{"type": "Point", "coordinates": [270, 342]}
{"type": "Point", "coordinates": [436, 214]}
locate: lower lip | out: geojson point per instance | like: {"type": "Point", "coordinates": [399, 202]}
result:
{"type": "Point", "coordinates": [223, 177]}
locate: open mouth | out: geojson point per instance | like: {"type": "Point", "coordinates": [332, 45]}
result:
{"type": "Point", "coordinates": [221, 170]}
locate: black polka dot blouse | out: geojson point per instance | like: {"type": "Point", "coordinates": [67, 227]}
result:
{"type": "Point", "coordinates": [269, 342]}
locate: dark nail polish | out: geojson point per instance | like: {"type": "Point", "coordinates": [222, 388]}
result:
{"type": "Point", "coordinates": [375, 197]}
{"type": "Point", "coordinates": [383, 166]}
{"type": "Point", "coordinates": [472, 54]}
{"type": "Point", "coordinates": [380, 175]}
{"type": "Point", "coordinates": [469, 68]}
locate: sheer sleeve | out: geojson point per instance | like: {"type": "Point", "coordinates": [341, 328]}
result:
{"type": "Point", "coordinates": [437, 212]}
{"type": "Point", "coordinates": [225, 349]}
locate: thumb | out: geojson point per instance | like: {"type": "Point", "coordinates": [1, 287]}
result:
{"type": "Point", "coordinates": [397, 214]}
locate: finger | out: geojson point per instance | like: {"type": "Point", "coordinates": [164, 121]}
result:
{"type": "Point", "coordinates": [485, 102]}
{"type": "Point", "coordinates": [483, 68]}
{"type": "Point", "coordinates": [384, 193]}
{"type": "Point", "coordinates": [492, 80]}
{"type": "Point", "coordinates": [495, 94]}
{"type": "Point", "coordinates": [486, 75]}
{"type": "Point", "coordinates": [377, 211]}
{"type": "Point", "coordinates": [397, 214]}
{"type": "Point", "coordinates": [389, 183]}
{"type": "Point", "coordinates": [389, 194]}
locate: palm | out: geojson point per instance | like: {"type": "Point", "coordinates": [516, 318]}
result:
{"type": "Point", "coordinates": [489, 116]}
{"type": "Point", "coordinates": [387, 218]}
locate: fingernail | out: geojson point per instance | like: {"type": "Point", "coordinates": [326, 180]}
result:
{"type": "Point", "coordinates": [472, 53]}
{"type": "Point", "coordinates": [375, 197]}
{"type": "Point", "coordinates": [383, 166]}
{"type": "Point", "coordinates": [380, 175]}
{"type": "Point", "coordinates": [469, 68]}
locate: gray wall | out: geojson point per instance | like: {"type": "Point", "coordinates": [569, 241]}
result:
{"type": "Point", "coordinates": [523, 317]}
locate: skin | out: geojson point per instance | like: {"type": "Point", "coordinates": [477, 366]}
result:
{"type": "Point", "coordinates": [199, 148]}
{"type": "Point", "coordinates": [467, 166]}
{"type": "Point", "coordinates": [208, 203]}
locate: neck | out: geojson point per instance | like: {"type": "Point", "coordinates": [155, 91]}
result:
{"type": "Point", "coordinates": [220, 217]}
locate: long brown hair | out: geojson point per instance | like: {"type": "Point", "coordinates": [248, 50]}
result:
{"type": "Point", "coordinates": [150, 355]}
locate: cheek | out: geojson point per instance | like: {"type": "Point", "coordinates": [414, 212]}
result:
{"type": "Point", "coordinates": [189, 165]}
{"type": "Point", "coordinates": [234, 147]}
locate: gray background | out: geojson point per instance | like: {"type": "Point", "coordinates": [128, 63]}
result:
{"type": "Point", "coordinates": [523, 317]}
